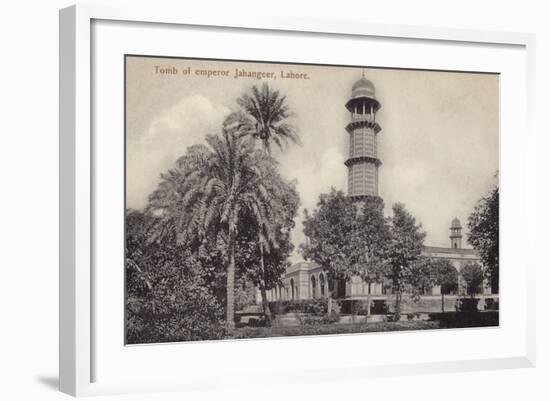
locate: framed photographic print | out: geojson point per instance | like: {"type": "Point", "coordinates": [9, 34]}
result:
{"type": "Point", "coordinates": [243, 191]}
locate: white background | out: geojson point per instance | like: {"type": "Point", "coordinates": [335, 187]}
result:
{"type": "Point", "coordinates": [28, 166]}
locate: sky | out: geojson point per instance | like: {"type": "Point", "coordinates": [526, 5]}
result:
{"type": "Point", "coordinates": [439, 142]}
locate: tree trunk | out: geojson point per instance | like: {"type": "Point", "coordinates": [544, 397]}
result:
{"type": "Point", "coordinates": [398, 303]}
{"type": "Point", "coordinates": [230, 308]}
{"type": "Point", "coordinates": [369, 298]}
{"type": "Point", "coordinates": [265, 304]}
{"type": "Point", "coordinates": [442, 302]}
{"type": "Point", "coordinates": [330, 294]}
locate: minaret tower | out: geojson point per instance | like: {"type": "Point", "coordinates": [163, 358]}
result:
{"type": "Point", "coordinates": [363, 162]}
{"type": "Point", "coordinates": [456, 234]}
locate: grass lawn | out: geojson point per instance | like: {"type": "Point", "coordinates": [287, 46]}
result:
{"type": "Point", "coordinates": [320, 329]}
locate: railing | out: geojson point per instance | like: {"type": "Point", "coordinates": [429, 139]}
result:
{"type": "Point", "coordinates": [362, 117]}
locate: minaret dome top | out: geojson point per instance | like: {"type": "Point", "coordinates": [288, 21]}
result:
{"type": "Point", "coordinates": [456, 223]}
{"type": "Point", "coordinates": [363, 97]}
{"type": "Point", "coordinates": [363, 88]}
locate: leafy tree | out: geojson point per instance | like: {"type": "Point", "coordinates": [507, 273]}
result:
{"type": "Point", "coordinates": [265, 268]}
{"type": "Point", "coordinates": [264, 117]}
{"type": "Point", "coordinates": [168, 296]}
{"type": "Point", "coordinates": [370, 243]}
{"type": "Point", "coordinates": [329, 242]}
{"type": "Point", "coordinates": [274, 259]}
{"type": "Point", "coordinates": [427, 272]}
{"type": "Point", "coordinates": [473, 277]}
{"type": "Point", "coordinates": [446, 276]}
{"type": "Point", "coordinates": [405, 247]}
{"type": "Point", "coordinates": [483, 235]}
{"type": "Point", "coordinates": [347, 238]}
{"type": "Point", "coordinates": [420, 277]}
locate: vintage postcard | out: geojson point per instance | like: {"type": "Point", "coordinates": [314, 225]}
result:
{"type": "Point", "coordinates": [270, 199]}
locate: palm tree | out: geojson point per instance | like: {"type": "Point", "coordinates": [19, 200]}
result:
{"type": "Point", "coordinates": [209, 192]}
{"type": "Point", "coordinates": [263, 117]}
{"type": "Point", "coordinates": [267, 227]}
{"type": "Point", "coordinates": [265, 113]}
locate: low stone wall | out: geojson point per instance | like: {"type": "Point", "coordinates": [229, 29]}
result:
{"type": "Point", "coordinates": [431, 304]}
{"type": "Point", "coordinates": [426, 304]}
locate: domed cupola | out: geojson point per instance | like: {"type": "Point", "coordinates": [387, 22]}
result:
{"type": "Point", "coordinates": [456, 233]}
{"type": "Point", "coordinates": [363, 92]}
{"type": "Point", "coordinates": [456, 223]}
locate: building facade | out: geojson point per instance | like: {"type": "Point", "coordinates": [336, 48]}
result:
{"type": "Point", "coordinates": [307, 280]}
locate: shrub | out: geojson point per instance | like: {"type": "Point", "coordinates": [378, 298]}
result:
{"type": "Point", "coordinates": [457, 319]}
{"type": "Point", "coordinates": [379, 307]}
{"type": "Point", "coordinates": [167, 296]}
{"type": "Point", "coordinates": [473, 276]}
{"type": "Point", "coordinates": [277, 308]}
{"type": "Point", "coordinates": [174, 309]}
{"type": "Point", "coordinates": [491, 304]}
{"type": "Point", "coordinates": [328, 318]}
{"type": "Point", "coordinates": [467, 305]}
{"type": "Point", "coordinates": [317, 307]}
{"type": "Point", "coordinates": [361, 307]}
{"type": "Point", "coordinates": [311, 311]}
{"type": "Point", "coordinates": [351, 306]}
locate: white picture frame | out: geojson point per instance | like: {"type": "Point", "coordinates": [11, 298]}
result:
{"type": "Point", "coordinates": [78, 350]}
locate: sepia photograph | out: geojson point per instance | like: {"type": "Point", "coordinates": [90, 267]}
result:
{"type": "Point", "coordinates": [266, 199]}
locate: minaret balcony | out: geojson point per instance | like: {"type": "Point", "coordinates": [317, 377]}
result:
{"type": "Point", "coordinates": [363, 122]}
{"type": "Point", "coordinates": [359, 159]}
